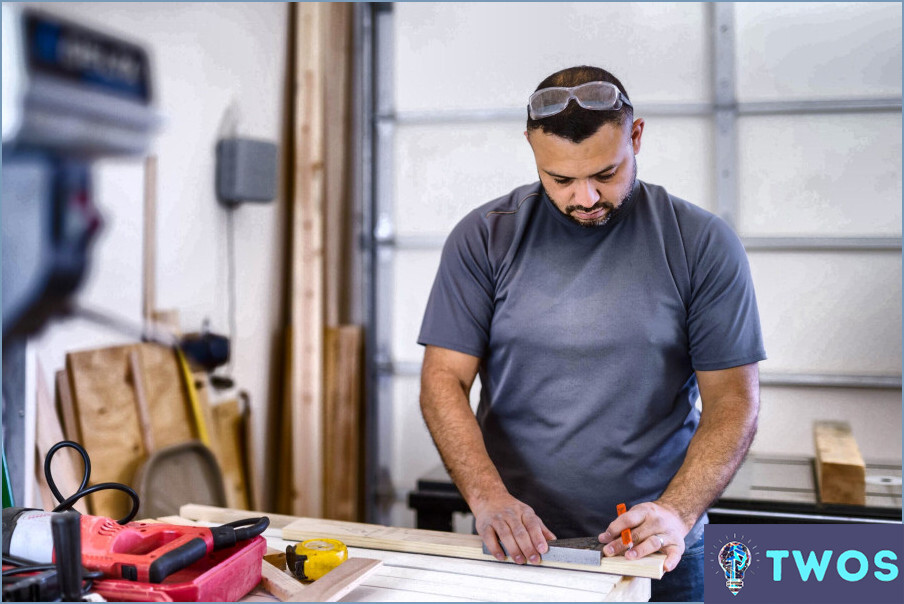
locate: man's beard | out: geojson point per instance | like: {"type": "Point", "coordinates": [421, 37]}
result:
{"type": "Point", "coordinates": [613, 211]}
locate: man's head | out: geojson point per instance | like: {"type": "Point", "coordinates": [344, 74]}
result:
{"type": "Point", "coordinates": [585, 157]}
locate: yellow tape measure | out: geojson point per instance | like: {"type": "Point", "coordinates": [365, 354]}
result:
{"type": "Point", "coordinates": [313, 558]}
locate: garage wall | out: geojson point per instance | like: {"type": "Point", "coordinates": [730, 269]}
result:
{"type": "Point", "coordinates": [219, 70]}
{"type": "Point", "coordinates": [825, 179]}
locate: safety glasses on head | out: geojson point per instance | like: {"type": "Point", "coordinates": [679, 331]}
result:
{"type": "Point", "coordinates": [597, 96]}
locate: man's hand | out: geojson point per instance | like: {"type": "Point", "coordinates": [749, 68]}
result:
{"type": "Point", "coordinates": [655, 526]}
{"type": "Point", "coordinates": [502, 518]}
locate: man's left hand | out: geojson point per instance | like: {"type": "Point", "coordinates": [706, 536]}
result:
{"type": "Point", "coordinates": [654, 527]}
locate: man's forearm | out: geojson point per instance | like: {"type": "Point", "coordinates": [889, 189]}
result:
{"type": "Point", "coordinates": [713, 456]}
{"type": "Point", "coordinates": [447, 412]}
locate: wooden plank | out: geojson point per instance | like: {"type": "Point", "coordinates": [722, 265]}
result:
{"type": "Point", "coordinates": [306, 313]}
{"type": "Point", "coordinates": [440, 543]}
{"type": "Point", "coordinates": [840, 470]}
{"type": "Point", "coordinates": [144, 409]}
{"type": "Point", "coordinates": [343, 421]}
{"type": "Point", "coordinates": [330, 588]}
{"type": "Point", "coordinates": [217, 515]}
{"type": "Point", "coordinates": [228, 437]}
{"type": "Point", "coordinates": [630, 589]}
{"type": "Point", "coordinates": [417, 541]}
{"type": "Point", "coordinates": [66, 471]}
{"type": "Point", "coordinates": [108, 422]}
{"type": "Point", "coordinates": [171, 419]}
{"type": "Point", "coordinates": [149, 247]}
{"type": "Point", "coordinates": [66, 406]}
{"type": "Point", "coordinates": [338, 214]}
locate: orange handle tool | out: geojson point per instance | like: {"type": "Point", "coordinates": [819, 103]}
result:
{"type": "Point", "coordinates": [625, 534]}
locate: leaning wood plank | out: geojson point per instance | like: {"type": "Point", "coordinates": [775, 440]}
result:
{"type": "Point", "coordinates": [108, 421]}
{"type": "Point", "coordinates": [66, 473]}
{"type": "Point", "coordinates": [440, 543]}
{"type": "Point", "coordinates": [171, 419]}
{"type": "Point", "coordinates": [144, 409]}
{"type": "Point", "coordinates": [149, 241]}
{"type": "Point", "coordinates": [840, 470]}
{"type": "Point", "coordinates": [342, 425]}
{"type": "Point", "coordinates": [227, 431]}
{"type": "Point", "coordinates": [331, 587]}
{"type": "Point", "coordinates": [338, 209]}
{"type": "Point", "coordinates": [67, 406]}
{"type": "Point", "coordinates": [306, 313]}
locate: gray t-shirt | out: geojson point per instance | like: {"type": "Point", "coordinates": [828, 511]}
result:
{"type": "Point", "coordinates": [589, 339]}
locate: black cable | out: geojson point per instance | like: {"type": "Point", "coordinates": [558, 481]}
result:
{"type": "Point", "coordinates": [249, 527]}
{"type": "Point", "coordinates": [48, 475]}
{"type": "Point", "coordinates": [67, 503]}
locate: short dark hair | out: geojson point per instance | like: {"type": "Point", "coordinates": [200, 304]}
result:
{"type": "Point", "coordinates": [576, 123]}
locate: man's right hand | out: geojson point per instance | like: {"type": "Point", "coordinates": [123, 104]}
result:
{"type": "Point", "coordinates": [502, 518]}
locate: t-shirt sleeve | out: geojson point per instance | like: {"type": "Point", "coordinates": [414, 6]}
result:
{"type": "Point", "coordinates": [723, 320]}
{"type": "Point", "coordinates": [460, 306]}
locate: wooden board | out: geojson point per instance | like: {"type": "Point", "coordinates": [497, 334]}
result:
{"type": "Point", "coordinates": [149, 240]}
{"type": "Point", "coordinates": [343, 421]}
{"type": "Point", "coordinates": [339, 232]}
{"type": "Point", "coordinates": [66, 406]}
{"type": "Point", "coordinates": [227, 436]}
{"type": "Point", "coordinates": [441, 543]}
{"type": "Point", "coordinates": [171, 419]}
{"type": "Point", "coordinates": [66, 468]}
{"type": "Point", "coordinates": [305, 394]}
{"type": "Point", "coordinates": [108, 421]}
{"type": "Point", "coordinates": [840, 469]}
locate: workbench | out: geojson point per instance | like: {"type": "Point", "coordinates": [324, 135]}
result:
{"type": "Point", "coordinates": [408, 577]}
{"type": "Point", "coordinates": [766, 489]}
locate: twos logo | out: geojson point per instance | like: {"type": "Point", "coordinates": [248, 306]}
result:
{"type": "Point", "coordinates": [804, 563]}
{"type": "Point", "coordinates": [734, 558]}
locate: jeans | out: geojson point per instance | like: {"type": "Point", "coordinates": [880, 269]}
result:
{"type": "Point", "coordinates": [685, 582]}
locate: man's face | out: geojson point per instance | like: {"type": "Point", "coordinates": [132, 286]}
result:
{"type": "Point", "coordinates": [590, 180]}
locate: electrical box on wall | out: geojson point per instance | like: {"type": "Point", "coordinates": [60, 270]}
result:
{"type": "Point", "coordinates": [246, 170]}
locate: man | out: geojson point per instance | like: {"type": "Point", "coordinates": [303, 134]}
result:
{"type": "Point", "coordinates": [596, 308]}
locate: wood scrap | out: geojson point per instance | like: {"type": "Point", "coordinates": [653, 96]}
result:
{"type": "Point", "coordinates": [329, 588]}
{"type": "Point", "coordinates": [840, 469]}
{"type": "Point", "coordinates": [66, 406]}
{"type": "Point", "coordinates": [66, 472]}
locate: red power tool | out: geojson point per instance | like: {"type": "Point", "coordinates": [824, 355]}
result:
{"type": "Point", "coordinates": [137, 551]}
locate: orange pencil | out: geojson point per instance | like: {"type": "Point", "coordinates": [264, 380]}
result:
{"type": "Point", "coordinates": [625, 534]}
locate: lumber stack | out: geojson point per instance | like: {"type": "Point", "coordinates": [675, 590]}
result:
{"type": "Point", "coordinates": [840, 469]}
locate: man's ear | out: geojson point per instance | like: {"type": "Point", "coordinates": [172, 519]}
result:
{"type": "Point", "coordinates": [636, 134]}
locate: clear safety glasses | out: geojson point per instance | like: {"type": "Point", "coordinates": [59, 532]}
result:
{"type": "Point", "coordinates": [598, 96]}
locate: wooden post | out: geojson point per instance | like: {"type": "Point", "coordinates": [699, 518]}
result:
{"type": "Point", "coordinates": [306, 313]}
{"type": "Point", "coordinates": [149, 274]}
{"type": "Point", "coordinates": [840, 470]}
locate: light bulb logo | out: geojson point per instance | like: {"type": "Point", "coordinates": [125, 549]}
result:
{"type": "Point", "coordinates": [734, 558]}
